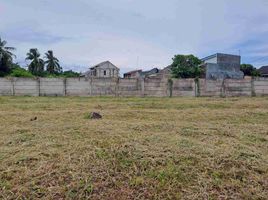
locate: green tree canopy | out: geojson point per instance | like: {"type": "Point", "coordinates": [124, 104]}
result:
{"type": "Point", "coordinates": [6, 57]}
{"type": "Point", "coordinates": [249, 70]}
{"type": "Point", "coordinates": [70, 73]}
{"type": "Point", "coordinates": [36, 66]}
{"type": "Point", "coordinates": [186, 66]}
{"type": "Point", "coordinates": [20, 72]}
{"type": "Point", "coordinates": [52, 63]}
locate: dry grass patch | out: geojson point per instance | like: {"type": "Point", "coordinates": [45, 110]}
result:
{"type": "Point", "coordinates": [143, 148]}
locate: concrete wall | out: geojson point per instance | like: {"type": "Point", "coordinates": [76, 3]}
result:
{"type": "Point", "coordinates": [238, 87]}
{"type": "Point", "coordinates": [6, 87]}
{"type": "Point", "coordinates": [184, 87]}
{"type": "Point", "coordinates": [260, 86]}
{"type": "Point", "coordinates": [52, 87]}
{"type": "Point", "coordinates": [103, 86]}
{"type": "Point", "coordinates": [78, 87]}
{"type": "Point", "coordinates": [157, 86]}
{"type": "Point", "coordinates": [25, 86]}
{"type": "Point", "coordinates": [211, 87]}
{"type": "Point", "coordinates": [129, 87]}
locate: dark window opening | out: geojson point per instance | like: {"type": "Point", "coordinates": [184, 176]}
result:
{"type": "Point", "coordinates": [104, 72]}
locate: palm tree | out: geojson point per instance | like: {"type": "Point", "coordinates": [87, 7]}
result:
{"type": "Point", "coordinates": [52, 63]}
{"type": "Point", "coordinates": [36, 66]}
{"type": "Point", "coordinates": [6, 57]}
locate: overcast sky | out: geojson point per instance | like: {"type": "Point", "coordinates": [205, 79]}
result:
{"type": "Point", "coordinates": [136, 33]}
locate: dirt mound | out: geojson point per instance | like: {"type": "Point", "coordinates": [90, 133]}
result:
{"type": "Point", "coordinates": [94, 115]}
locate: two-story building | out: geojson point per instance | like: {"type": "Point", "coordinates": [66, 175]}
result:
{"type": "Point", "coordinates": [222, 66]}
{"type": "Point", "coordinates": [103, 70]}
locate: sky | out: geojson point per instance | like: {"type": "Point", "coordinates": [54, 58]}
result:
{"type": "Point", "coordinates": [135, 34]}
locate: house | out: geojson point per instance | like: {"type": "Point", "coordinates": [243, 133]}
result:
{"type": "Point", "coordinates": [140, 73]}
{"type": "Point", "coordinates": [264, 71]}
{"type": "Point", "coordinates": [133, 74]}
{"type": "Point", "coordinates": [222, 66]}
{"type": "Point", "coordinates": [103, 70]}
{"type": "Point", "coordinates": [150, 73]}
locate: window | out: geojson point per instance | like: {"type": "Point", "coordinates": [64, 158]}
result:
{"type": "Point", "coordinates": [104, 72]}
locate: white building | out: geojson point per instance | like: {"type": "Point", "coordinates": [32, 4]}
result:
{"type": "Point", "coordinates": [103, 70]}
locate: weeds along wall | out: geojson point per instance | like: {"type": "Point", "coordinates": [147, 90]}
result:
{"type": "Point", "coordinates": [157, 87]}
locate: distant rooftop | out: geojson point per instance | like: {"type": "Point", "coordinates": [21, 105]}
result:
{"type": "Point", "coordinates": [100, 64]}
{"type": "Point", "coordinates": [217, 55]}
{"type": "Point", "coordinates": [264, 70]}
{"type": "Point", "coordinates": [133, 71]}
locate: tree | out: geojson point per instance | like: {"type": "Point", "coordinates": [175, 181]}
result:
{"type": "Point", "coordinates": [249, 70]}
{"type": "Point", "coordinates": [36, 66]}
{"type": "Point", "coordinates": [6, 57]}
{"type": "Point", "coordinates": [20, 72]}
{"type": "Point", "coordinates": [52, 63]}
{"type": "Point", "coordinates": [186, 66]}
{"type": "Point", "coordinates": [70, 74]}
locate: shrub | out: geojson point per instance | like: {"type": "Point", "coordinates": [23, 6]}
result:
{"type": "Point", "coordinates": [20, 72]}
{"type": "Point", "coordinates": [70, 73]}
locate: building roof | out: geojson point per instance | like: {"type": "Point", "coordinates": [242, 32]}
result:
{"type": "Point", "coordinates": [215, 55]}
{"type": "Point", "coordinates": [134, 71]}
{"type": "Point", "coordinates": [102, 63]}
{"type": "Point", "coordinates": [150, 72]}
{"type": "Point", "coordinates": [264, 70]}
{"type": "Point", "coordinates": [209, 57]}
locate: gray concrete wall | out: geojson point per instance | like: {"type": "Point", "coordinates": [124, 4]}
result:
{"type": "Point", "coordinates": [103, 86]}
{"type": "Point", "coordinates": [6, 87]}
{"type": "Point", "coordinates": [52, 87]}
{"type": "Point", "coordinates": [129, 87]}
{"type": "Point", "coordinates": [78, 87]}
{"type": "Point", "coordinates": [25, 86]}
{"type": "Point", "coordinates": [157, 87]}
{"type": "Point", "coordinates": [238, 87]}
{"type": "Point", "coordinates": [184, 87]}
{"type": "Point", "coordinates": [260, 86]}
{"type": "Point", "coordinates": [211, 87]}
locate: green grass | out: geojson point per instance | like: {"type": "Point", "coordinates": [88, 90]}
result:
{"type": "Point", "coordinates": [143, 148]}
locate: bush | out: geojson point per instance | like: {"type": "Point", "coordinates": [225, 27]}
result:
{"type": "Point", "coordinates": [70, 74]}
{"type": "Point", "coordinates": [20, 72]}
{"type": "Point", "coordinates": [65, 74]}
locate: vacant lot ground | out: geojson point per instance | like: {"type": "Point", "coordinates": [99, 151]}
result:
{"type": "Point", "coordinates": [143, 148]}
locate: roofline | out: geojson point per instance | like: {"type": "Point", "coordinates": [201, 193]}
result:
{"type": "Point", "coordinates": [208, 57]}
{"type": "Point", "coordinates": [216, 54]}
{"type": "Point", "coordinates": [103, 63]}
{"type": "Point", "coordinates": [138, 70]}
{"type": "Point", "coordinates": [155, 68]}
{"type": "Point", "coordinates": [263, 70]}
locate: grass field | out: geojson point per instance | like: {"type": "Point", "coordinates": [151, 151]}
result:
{"type": "Point", "coordinates": [143, 148]}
